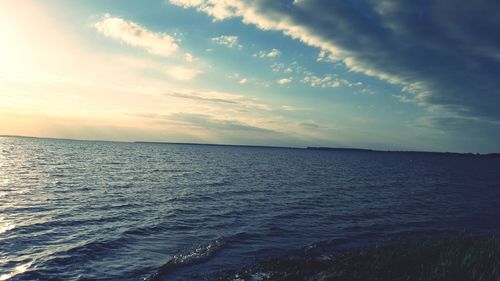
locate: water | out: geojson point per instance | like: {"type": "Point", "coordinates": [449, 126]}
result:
{"type": "Point", "coordinates": [75, 210]}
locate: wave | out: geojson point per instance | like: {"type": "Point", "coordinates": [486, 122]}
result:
{"type": "Point", "coordinates": [195, 255]}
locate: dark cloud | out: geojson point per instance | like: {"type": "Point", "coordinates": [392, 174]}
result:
{"type": "Point", "coordinates": [310, 125]}
{"type": "Point", "coordinates": [447, 53]}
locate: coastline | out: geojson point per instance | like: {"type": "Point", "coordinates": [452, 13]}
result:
{"type": "Point", "coordinates": [449, 257]}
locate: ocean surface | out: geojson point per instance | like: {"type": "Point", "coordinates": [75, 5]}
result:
{"type": "Point", "coordinates": [83, 210]}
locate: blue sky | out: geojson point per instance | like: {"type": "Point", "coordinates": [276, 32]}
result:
{"type": "Point", "coordinates": [412, 75]}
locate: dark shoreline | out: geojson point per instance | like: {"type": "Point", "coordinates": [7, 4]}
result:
{"type": "Point", "coordinates": [451, 257]}
{"type": "Point", "coordinates": [403, 151]}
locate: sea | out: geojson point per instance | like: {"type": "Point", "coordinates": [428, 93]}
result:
{"type": "Point", "coordinates": [94, 210]}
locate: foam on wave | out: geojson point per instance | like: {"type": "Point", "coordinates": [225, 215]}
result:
{"type": "Point", "coordinates": [192, 256]}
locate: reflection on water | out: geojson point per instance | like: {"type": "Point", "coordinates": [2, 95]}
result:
{"type": "Point", "coordinates": [5, 226]}
{"type": "Point", "coordinates": [17, 270]}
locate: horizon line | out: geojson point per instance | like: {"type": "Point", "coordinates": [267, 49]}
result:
{"type": "Point", "coordinates": [321, 148]}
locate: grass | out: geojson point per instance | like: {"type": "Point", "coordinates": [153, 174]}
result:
{"type": "Point", "coordinates": [456, 258]}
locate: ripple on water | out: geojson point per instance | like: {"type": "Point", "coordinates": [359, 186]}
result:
{"type": "Point", "coordinates": [122, 211]}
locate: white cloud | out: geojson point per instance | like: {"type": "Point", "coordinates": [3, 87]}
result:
{"type": "Point", "coordinates": [284, 81]}
{"type": "Point", "coordinates": [135, 35]}
{"type": "Point", "coordinates": [367, 91]}
{"type": "Point", "coordinates": [187, 3]}
{"type": "Point", "coordinates": [328, 81]}
{"type": "Point", "coordinates": [404, 99]}
{"type": "Point", "coordinates": [219, 10]}
{"type": "Point", "coordinates": [289, 108]}
{"type": "Point", "coordinates": [221, 98]}
{"type": "Point", "coordinates": [188, 57]}
{"type": "Point", "coordinates": [229, 41]}
{"type": "Point", "coordinates": [278, 67]}
{"type": "Point", "coordinates": [286, 69]}
{"type": "Point", "coordinates": [325, 56]}
{"type": "Point", "coordinates": [182, 73]}
{"type": "Point", "coordinates": [233, 76]}
{"type": "Point", "coordinates": [271, 54]}
{"type": "Point", "coordinates": [243, 81]}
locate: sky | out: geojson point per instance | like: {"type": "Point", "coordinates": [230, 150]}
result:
{"type": "Point", "coordinates": [391, 75]}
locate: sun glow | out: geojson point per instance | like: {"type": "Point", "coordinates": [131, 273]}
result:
{"type": "Point", "coordinates": [32, 43]}
{"type": "Point", "coordinates": [12, 46]}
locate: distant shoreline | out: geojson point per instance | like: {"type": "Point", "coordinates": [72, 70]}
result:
{"type": "Point", "coordinates": [318, 148]}
{"type": "Point", "coordinates": [401, 151]}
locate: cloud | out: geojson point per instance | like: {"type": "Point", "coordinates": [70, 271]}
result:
{"type": "Point", "coordinates": [243, 81]}
{"type": "Point", "coordinates": [207, 96]}
{"type": "Point", "coordinates": [187, 3]}
{"type": "Point", "coordinates": [403, 98]}
{"type": "Point", "coordinates": [201, 97]}
{"type": "Point", "coordinates": [311, 125]}
{"type": "Point", "coordinates": [229, 41]}
{"type": "Point", "coordinates": [280, 67]}
{"type": "Point", "coordinates": [441, 53]}
{"type": "Point", "coordinates": [294, 108]}
{"type": "Point", "coordinates": [365, 91]}
{"type": "Point", "coordinates": [284, 81]}
{"type": "Point", "coordinates": [218, 9]}
{"type": "Point", "coordinates": [328, 81]}
{"type": "Point", "coordinates": [242, 101]}
{"type": "Point", "coordinates": [289, 108]}
{"type": "Point", "coordinates": [271, 54]}
{"type": "Point", "coordinates": [214, 128]}
{"type": "Point", "coordinates": [188, 57]}
{"type": "Point", "coordinates": [135, 35]}
{"type": "Point", "coordinates": [182, 73]}
{"type": "Point", "coordinates": [325, 56]}
{"type": "Point", "coordinates": [205, 122]}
